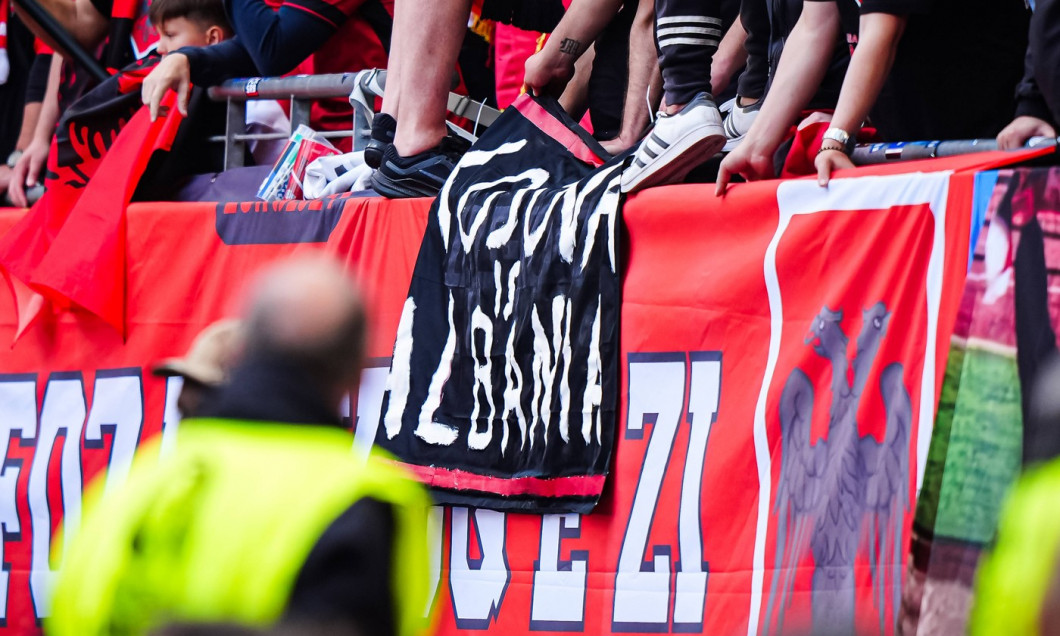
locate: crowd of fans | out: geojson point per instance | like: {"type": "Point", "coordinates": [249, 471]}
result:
{"type": "Point", "coordinates": [676, 83]}
{"type": "Point", "coordinates": [896, 70]}
{"type": "Point", "coordinates": [730, 76]}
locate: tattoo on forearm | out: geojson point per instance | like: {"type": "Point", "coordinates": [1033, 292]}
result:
{"type": "Point", "coordinates": [570, 47]}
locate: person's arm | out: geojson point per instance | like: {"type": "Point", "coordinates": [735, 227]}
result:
{"type": "Point", "coordinates": [878, 37]}
{"type": "Point", "coordinates": [575, 97]}
{"type": "Point", "coordinates": [80, 18]}
{"type": "Point", "coordinates": [27, 169]}
{"type": "Point", "coordinates": [803, 65]}
{"type": "Point", "coordinates": [1033, 118]}
{"type": "Point", "coordinates": [729, 58]}
{"type": "Point", "coordinates": [278, 41]}
{"type": "Point", "coordinates": [268, 43]}
{"type": "Point", "coordinates": [549, 70]}
{"type": "Point", "coordinates": [30, 115]}
{"type": "Point", "coordinates": [644, 78]}
{"type": "Point", "coordinates": [36, 85]}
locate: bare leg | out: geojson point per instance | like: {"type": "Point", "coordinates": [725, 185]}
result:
{"type": "Point", "coordinates": [428, 34]}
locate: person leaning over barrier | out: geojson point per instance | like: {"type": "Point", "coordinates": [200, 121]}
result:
{"type": "Point", "coordinates": [926, 69]}
{"type": "Point", "coordinates": [267, 43]}
{"type": "Point", "coordinates": [1038, 94]}
{"type": "Point", "coordinates": [202, 23]}
{"type": "Point", "coordinates": [261, 514]}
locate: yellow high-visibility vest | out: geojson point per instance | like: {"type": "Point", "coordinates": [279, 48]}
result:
{"type": "Point", "coordinates": [219, 530]}
{"type": "Point", "coordinates": [1014, 578]}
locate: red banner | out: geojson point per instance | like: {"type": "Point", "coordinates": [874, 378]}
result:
{"type": "Point", "coordinates": [802, 336]}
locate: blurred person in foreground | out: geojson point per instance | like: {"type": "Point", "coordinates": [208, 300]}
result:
{"type": "Point", "coordinates": [262, 515]}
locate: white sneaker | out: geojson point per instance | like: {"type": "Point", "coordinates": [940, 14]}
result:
{"type": "Point", "coordinates": [738, 121]}
{"type": "Point", "coordinates": [675, 145]}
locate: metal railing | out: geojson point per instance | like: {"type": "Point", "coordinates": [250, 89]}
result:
{"type": "Point", "coordinates": [364, 87]}
{"type": "Point", "coordinates": [301, 90]}
{"type": "Point", "coordinates": [869, 154]}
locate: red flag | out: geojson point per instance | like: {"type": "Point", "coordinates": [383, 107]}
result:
{"type": "Point", "coordinates": [86, 261]}
{"type": "Point", "coordinates": [70, 247]}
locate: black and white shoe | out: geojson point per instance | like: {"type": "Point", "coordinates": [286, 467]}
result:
{"type": "Point", "coordinates": [421, 175]}
{"type": "Point", "coordinates": [383, 128]}
{"type": "Point", "coordinates": [738, 120]}
{"type": "Point", "coordinates": [675, 145]}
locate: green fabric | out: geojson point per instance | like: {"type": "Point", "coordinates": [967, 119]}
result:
{"type": "Point", "coordinates": [982, 455]}
{"type": "Point", "coordinates": [1013, 579]}
{"type": "Point", "coordinates": [219, 530]}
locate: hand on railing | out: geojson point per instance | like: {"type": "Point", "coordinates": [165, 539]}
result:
{"type": "Point", "coordinates": [1023, 129]}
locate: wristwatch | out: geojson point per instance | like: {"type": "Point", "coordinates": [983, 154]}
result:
{"type": "Point", "coordinates": [841, 136]}
{"type": "Point", "coordinates": [13, 158]}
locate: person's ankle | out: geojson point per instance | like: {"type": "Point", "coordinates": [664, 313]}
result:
{"type": "Point", "coordinates": [410, 145]}
{"type": "Point", "coordinates": [744, 102]}
{"type": "Point", "coordinates": [673, 109]}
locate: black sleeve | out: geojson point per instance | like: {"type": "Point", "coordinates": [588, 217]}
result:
{"type": "Point", "coordinates": [211, 65]}
{"type": "Point", "coordinates": [105, 7]}
{"type": "Point", "coordinates": [278, 40]}
{"type": "Point", "coordinates": [530, 15]}
{"type": "Point", "coordinates": [1029, 99]}
{"type": "Point", "coordinates": [1045, 44]}
{"type": "Point", "coordinates": [895, 7]}
{"type": "Point", "coordinates": [347, 578]}
{"type": "Point", "coordinates": [37, 81]}
{"type": "Point", "coordinates": [268, 43]}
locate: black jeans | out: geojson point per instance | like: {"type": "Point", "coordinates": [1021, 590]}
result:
{"type": "Point", "coordinates": [687, 33]}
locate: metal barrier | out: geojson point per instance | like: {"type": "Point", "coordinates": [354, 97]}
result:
{"type": "Point", "coordinates": [360, 88]}
{"type": "Point", "coordinates": [868, 154]}
{"type": "Point", "coordinates": [364, 87]}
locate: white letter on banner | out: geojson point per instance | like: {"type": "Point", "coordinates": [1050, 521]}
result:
{"type": "Point", "coordinates": [18, 412]}
{"type": "Point", "coordinates": [171, 416]}
{"type": "Point", "coordinates": [117, 410]}
{"type": "Point", "coordinates": [369, 404]}
{"type": "Point", "coordinates": [477, 586]}
{"type": "Point", "coordinates": [428, 429]}
{"type": "Point", "coordinates": [558, 593]}
{"type": "Point", "coordinates": [513, 391]}
{"type": "Point", "coordinates": [397, 382]}
{"type": "Point", "coordinates": [483, 380]}
{"type": "Point", "coordinates": [63, 413]}
{"type": "Point", "coordinates": [656, 395]}
{"type": "Point", "coordinates": [436, 541]}
{"type": "Point", "coordinates": [594, 390]}
{"type": "Point", "coordinates": [545, 364]}
{"type": "Point", "coordinates": [691, 585]}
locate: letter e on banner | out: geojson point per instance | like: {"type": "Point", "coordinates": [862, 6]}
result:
{"type": "Point", "coordinates": [558, 595]}
{"type": "Point", "coordinates": [477, 585]}
{"type": "Point", "coordinates": [18, 412]}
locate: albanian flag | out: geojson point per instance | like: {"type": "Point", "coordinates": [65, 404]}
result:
{"type": "Point", "coordinates": [70, 248]}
